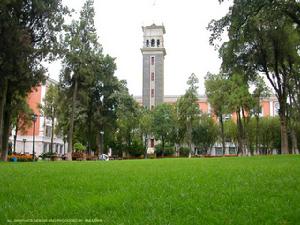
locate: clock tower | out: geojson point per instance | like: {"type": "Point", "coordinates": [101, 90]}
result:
{"type": "Point", "coordinates": [153, 52]}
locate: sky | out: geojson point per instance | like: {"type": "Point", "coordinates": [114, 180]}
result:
{"type": "Point", "coordinates": [119, 27]}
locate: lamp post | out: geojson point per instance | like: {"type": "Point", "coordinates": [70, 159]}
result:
{"type": "Point", "coordinates": [34, 117]}
{"type": "Point", "coordinates": [24, 142]}
{"type": "Point", "coordinates": [101, 139]}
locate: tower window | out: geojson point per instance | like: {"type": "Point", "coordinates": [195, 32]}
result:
{"type": "Point", "coordinates": [152, 76]}
{"type": "Point", "coordinates": [152, 60]}
{"type": "Point", "coordinates": [152, 93]}
{"type": "Point", "coordinates": [147, 43]}
{"type": "Point", "coordinates": [152, 43]}
{"type": "Point", "coordinates": [157, 42]}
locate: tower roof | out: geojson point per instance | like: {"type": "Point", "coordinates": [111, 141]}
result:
{"type": "Point", "coordinates": [154, 26]}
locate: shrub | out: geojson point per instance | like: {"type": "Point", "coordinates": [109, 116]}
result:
{"type": "Point", "coordinates": [184, 151]}
{"type": "Point", "coordinates": [136, 149]}
{"type": "Point", "coordinates": [78, 147]}
{"type": "Point", "coordinates": [168, 150]}
{"type": "Point", "coordinates": [48, 155]}
{"type": "Point", "coordinates": [78, 156]}
{"type": "Point", "coordinates": [20, 158]}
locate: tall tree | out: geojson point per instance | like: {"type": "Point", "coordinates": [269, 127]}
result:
{"type": "Point", "coordinates": [240, 101]}
{"type": "Point", "coordinates": [261, 91]}
{"type": "Point", "coordinates": [163, 123]}
{"type": "Point", "coordinates": [102, 99]}
{"type": "Point", "coordinates": [188, 109]}
{"type": "Point", "coordinates": [28, 32]}
{"type": "Point", "coordinates": [49, 108]}
{"type": "Point", "coordinates": [80, 48]}
{"type": "Point", "coordinates": [205, 133]}
{"type": "Point", "coordinates": [263, 38]}
{"type": "Point", "coordinates": [216, 88]}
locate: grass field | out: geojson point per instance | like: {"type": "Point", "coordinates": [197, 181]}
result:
{"type": "Point", "coordinates": [257, 190]}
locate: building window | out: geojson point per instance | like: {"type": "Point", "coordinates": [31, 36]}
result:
{"type": "Point", "coordinates": [152, 60]}
{"type": "Point", "coordinates": [48, 131]}
{"type": "Point", "coordinates": [219, 151]}
{"type": "Point", "coordinates": [151, 143]}
{"type": "Point", "coordinates": [157, 42]}
{"type": "Point", "coordinates": [152, 76]}
{"type": "Point", "coordinates": [152, 43]}
{"type": "Point", "coordinates": [232, 150]}
{"type": "Point", "coordinates": [152, 93]}
{"type": "Point", "coordinates": [45, 148]}
{"type": "Point", "coordinates": [147, 43]}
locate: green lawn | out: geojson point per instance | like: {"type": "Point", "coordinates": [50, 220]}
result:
{"type": "Point", "coordinates": [257, 190]}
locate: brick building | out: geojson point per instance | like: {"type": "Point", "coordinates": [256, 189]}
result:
{"type": "Point", "coordinates": [43, 127]}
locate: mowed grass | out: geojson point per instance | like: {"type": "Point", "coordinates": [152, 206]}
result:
{"type": "Point", "coordinates": [247, 190]}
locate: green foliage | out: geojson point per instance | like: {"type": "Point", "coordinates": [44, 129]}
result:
{"type": "Point", "coordinates": [263, 39]}
{"type": "Point", "coordinates": [230, 131]}
{"type": "Point", "coordinates": [163, 122]}
{"type": "Point", "coordinates": [78, 147]}
{"type": "Point", "coordinates": [136, 149]}
{"type": "Point", "coordinates": [269, 135]}
{"type": "Point", "coordinates": [188, 109]}
{"type": "Point", "coordinates": [50, 102]}
{"type": "Point", "coordinates": [128, 116]}
{"type": "Point", "coordinates": [184, 151]}
{"type": "Point", "coordinates": [91, 93]}
{"type": "Point", "coordinates": [167, 151]}
{"type": "Point", "coordinates": [28, 35]}
{"type": "Point", "coordinates": [205, 133]}
{"type": "Point", "coordinates": [216, 89]}
{"type": "Point", "coordinates": [21, 113]}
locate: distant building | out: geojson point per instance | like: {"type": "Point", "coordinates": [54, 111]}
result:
{"type": "Point", "coordinates": [269, 105]}
{"type": "Point", "coordinates": [43, 127]}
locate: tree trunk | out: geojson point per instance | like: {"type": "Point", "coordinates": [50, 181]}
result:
{"type": "Point", "coordinates": [101, 144]}
{"type": "Point", "coordinates": [240, 133]}
{"type": "Point", "coordinates": [246, 145]}
{"type": "Point", "coordinates": [294, 142]}
{"type": "Point", "coordinates": [5, 137]}
{"type": "Point", "coordinates": [284, 136]}
{"type": "Point", "coordinates": [98, 143]}
{"type": "Point", "coordinates": [71, 128]}
{"type": "Point", "coordinates": [190, 138]}
{"type": "Point", "coordinates": [256, 133]}
{"type": "Point", "coordinates": [2, 108]}
{"type": "Point", "coordinates": [16, 133]}
{"type": "Point", "coordinates": [52, 135]}
{"type": "Point", "coordinates": [222, 134]}
{"type": "Point", "coordinates": [163, 146]}
{"type": "Point", "coordinates": [89, 134]}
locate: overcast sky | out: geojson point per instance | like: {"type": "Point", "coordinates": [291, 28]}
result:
{"type": "Point", "coordinates": [119, 23]}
